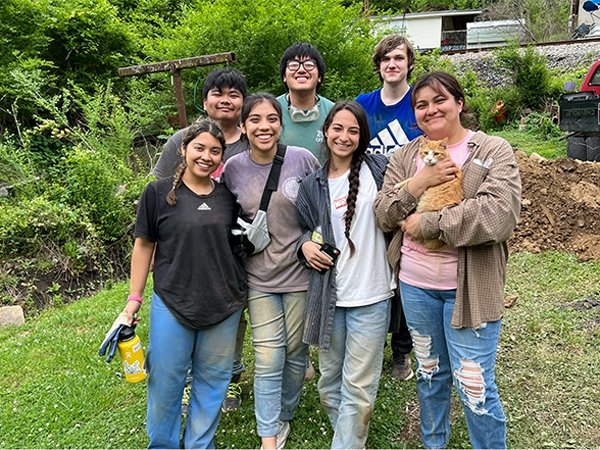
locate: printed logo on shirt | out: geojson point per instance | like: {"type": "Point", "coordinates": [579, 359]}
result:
{"type": "Point", "coordinates": [204, 207]}
{"type": "Point", "coordinates": [340, 202]}
{"type": "Point", "coordinates": [290, 187]}
{"type": "Point", "coordinates": [388, 140]}
{"type": "Point", "coordinates": [319, 137]}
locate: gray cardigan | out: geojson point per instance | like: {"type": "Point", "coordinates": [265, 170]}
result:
{"type": "Point", "coordinates": [314, 208]}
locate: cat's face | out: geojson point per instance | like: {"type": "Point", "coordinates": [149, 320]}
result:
{"type": "Point", "coordinates": [431, 152]}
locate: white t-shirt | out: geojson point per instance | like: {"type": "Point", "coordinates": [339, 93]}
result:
{"type": "Point", "coordinates": [366, 278]}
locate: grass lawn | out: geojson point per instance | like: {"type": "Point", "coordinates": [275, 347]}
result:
{"type": "Point", "coordinates": [522, 140]}
{"type": "Point", "coordinates": [56, 392]}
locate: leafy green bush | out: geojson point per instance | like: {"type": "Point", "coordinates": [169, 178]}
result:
{"type": "Point", "coordinates": [428, 62]}
{"type": "Point", "coordinates": [530, 75]}
{"type": "Point", "coordinates": [495, 108]}
{"type": "Point", "coordinates": [29, 225]}
{"type": "Point", "coordinates": [542, 126]}
{"type": "Point", "coordinates": [260, 31]}
{"type": "Point", "coordinates": [16, 171]}
{"type": "Point", "coordinates": [50, 42]}
{"type": "Point", "coordinates": [94, 181]}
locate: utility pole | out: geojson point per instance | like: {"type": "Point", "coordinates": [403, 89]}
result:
{"type": "Point", "coordinates": [175, 67]}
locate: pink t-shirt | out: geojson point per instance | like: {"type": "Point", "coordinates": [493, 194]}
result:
{"type": "Point", "coordinates": [436, 269]}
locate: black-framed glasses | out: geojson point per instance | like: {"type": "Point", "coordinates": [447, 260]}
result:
{"type": "Point", "coordinates": [294, 65]}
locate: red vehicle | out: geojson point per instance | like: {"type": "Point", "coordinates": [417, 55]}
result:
{"type": "Point", "coordinates": [579, 114]}
{"type": "Point", "coordinates": [591, 82]}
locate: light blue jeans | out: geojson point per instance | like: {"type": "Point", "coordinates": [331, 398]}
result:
{"type": "Point", "coordinates": [172, 347]}
{"type": "Point", "coordinates": [351, 369]}
{"type": "Point", "coordinates": [446, 355]}
{"type": "Point", "coordinates": [277, 322]}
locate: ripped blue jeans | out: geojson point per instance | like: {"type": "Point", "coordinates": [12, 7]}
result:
{"type": "Point", "coordinates": [446, 355]}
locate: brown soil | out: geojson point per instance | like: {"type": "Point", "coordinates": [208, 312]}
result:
{"type": "Point", "coordinates": [560, 207]}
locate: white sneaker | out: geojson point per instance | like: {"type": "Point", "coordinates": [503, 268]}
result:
{"type": "Point", "coordinates": [283, 434]}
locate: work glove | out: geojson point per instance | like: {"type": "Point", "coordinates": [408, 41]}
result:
{"type": "Point", "coordinates": [109, 344]}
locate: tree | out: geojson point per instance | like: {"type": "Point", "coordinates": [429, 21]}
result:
{"type": "Point", "coordinates": [545, 20]}
{"type": "Point", "coordinates": [260, 31]}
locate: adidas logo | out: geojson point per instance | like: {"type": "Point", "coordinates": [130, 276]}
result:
{"type": "Point", "coordinates": [204, 207]}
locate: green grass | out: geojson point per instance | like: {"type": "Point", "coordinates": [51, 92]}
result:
{"type": "Point", "coordinates": [529, 143]}
{"type": "Point", "coordinates": [56, 392]}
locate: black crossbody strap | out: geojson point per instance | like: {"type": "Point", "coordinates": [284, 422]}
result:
{"type": "Point", "coordinates": [273, 179]}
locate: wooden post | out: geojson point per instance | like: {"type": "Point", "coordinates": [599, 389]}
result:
{"type": "Point", "coordinates": [176, 77]}
{"type": "Point", "coordinates": [574, 16]}
{"type": "Point", "coordinates": [175, 67]}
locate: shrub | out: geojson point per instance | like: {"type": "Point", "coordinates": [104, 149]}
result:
{"type": "Point", "coordinates": [16, 171]}
{"type": "Point", "coordinates": [26, 226]}
{"type": "Point", "coordinates": [94, 181]}
{"type": "Point", "coordinates": [260, 31]}
{"type": "Point", "coordinates": [530, 75]}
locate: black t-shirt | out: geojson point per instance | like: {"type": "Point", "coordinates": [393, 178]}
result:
{"type": "Point", "coordinates": [196, 273]}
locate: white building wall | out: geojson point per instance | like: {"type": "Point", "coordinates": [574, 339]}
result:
{"type": "Point", "coordinates": [424, 33]}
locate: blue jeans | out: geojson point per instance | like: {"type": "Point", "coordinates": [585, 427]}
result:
{"type": "Point", "coordinates": [351, 369]}
{"type": "Point", "coordinates": [277, 322]}
{"type": "Point", "coordinates": [172, 347]}
{"type": "Point", "coordinates": [446, 355]}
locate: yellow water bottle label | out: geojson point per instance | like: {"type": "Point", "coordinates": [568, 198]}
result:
{"type": "Point", "coordinates": [132, 356]}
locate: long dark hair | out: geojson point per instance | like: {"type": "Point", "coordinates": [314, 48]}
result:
{"type": "Point", "coordinates": [357, 159]}
{"type": "Point", "coordinates": [198, 127]}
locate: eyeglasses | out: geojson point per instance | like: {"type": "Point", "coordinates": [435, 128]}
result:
{"type": "Point", "coordinates": [294, 65]}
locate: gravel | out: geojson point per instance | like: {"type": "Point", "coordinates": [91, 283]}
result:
{"type": "Point", "coordinates": [563, 58]}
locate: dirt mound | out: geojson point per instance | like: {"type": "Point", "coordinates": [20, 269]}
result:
{"type": "Point", "coordinates": [560, 206]}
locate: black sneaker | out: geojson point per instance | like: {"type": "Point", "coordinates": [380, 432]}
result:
{"type": "Point", "coordinates": [401, 369]}
{"type": "Point", "coordinates": [233, 398]}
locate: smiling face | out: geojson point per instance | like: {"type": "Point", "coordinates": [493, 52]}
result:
{"type": "Point", "coordinates": [343, 136]}
{"type": "Point", "coordinates": [224, 104]}
{"type": "Point", "coordinates": [303, 78]}
{"type": "Point", "coordinates": [203, 155]}
{"type": "Point", "coordinates": [263, 127]}
{"type": "Point", "coordinates": [394, 67]}
{"type": "Point", "coordinates": [438, 113]}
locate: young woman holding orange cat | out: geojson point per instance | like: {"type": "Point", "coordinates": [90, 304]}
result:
{"type": "Point", "coordinates": [348, 304]}
{"type": "Point", "coordinates": [453, 296]}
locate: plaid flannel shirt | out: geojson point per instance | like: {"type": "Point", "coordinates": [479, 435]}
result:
{"type": "Point", "coordinates": [479, 226]}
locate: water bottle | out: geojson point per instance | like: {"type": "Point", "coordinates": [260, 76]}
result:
{"type": "Point", "coordinates": [132, 355]}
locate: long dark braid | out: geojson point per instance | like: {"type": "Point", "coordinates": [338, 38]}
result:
{"type": "Point", "coordinates": [172, 196]}
{"type": "Point", "coordinates": [354, 183]}
{"type": "Point", "coordinates": [357, 159]}
{"type": "Point", "coordinates": [200, 126]}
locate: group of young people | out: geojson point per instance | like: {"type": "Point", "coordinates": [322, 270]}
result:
{"type": "Point", "coordinates": [345, 264]}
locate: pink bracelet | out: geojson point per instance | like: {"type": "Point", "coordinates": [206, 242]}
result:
{"type": "Point", "coordinates": [135, 298]}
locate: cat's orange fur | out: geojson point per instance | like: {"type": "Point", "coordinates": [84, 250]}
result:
{"type": "Point", "coordinates": [436, 198]}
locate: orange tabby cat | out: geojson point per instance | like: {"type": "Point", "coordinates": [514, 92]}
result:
{"type": "Point", "coordinates": [436, 198]}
